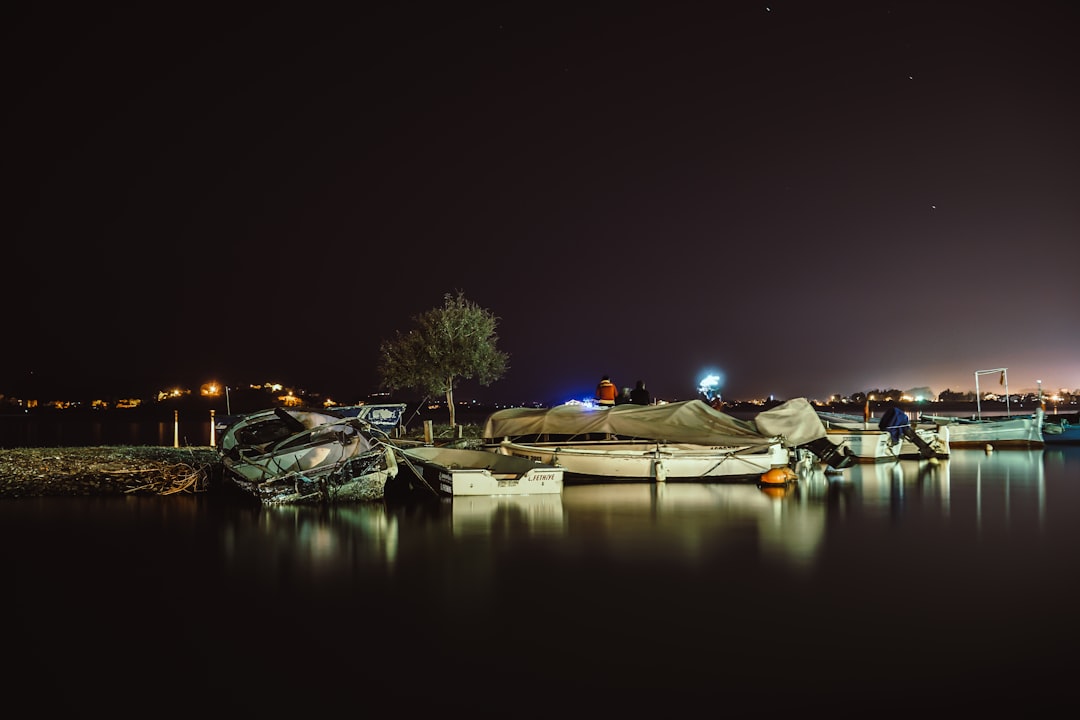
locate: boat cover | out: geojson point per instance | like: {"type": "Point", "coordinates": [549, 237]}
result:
{"type": "Point", "coordinates": [794, 422]}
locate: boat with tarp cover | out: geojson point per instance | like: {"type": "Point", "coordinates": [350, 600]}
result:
{"type": "Point", "coordinates": [687, 440]}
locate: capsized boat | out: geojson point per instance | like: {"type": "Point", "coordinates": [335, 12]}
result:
{"type": "Point", "coordinates": [306, 456]}
{"type": "Point", "coordinates": [687, 440]}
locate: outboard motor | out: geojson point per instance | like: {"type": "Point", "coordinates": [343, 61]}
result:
{"type": "Point", "coordinates": [894, 421]}
{"type": "Point", "coordinates": [835, 456]}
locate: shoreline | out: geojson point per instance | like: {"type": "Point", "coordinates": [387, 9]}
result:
{"type": "Point", "coordinates": [107, 470]}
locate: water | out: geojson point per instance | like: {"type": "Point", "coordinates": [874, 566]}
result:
{"type": "Point", "coordinates": [890, 589]}
{"type": "Point", "coordinates": [57, 430]}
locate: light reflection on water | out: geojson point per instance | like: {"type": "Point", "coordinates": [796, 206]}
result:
{"type": "Point", "coordinates": [930, 578]}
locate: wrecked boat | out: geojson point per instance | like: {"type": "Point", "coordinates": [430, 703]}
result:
{"type": "Point", "coordinates": [307, 456]}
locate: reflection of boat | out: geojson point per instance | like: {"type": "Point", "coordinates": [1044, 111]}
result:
{"type": "Point", "coordinates": [458, 471]}
{"type": "Point", "coordinates": [707, 518]}
{"type": "Point", "coordinates": [305, 456]}
{"type": "Point", "coordinates": [681, 440]}
{"type": "Point", "coordinates": [1008, 489]}
{"type": "Point", "coordinates": [1014, 431]}
{"type": "Point", "coordinates": [481, 514]}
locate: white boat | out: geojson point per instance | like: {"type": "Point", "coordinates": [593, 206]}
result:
{"type": "Point", "coordinates": [460, 471]}
{"type": "Point", "coordinates": [1011, 431]}
{"type": "Point", "coordinates": [306, 456]}
{"type": "Point", "coordinates": [683, 440]}
{"type": "Point", "coordinates": [872, 443]}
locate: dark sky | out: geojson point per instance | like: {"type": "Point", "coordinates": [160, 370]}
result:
{"type": "Point", "coordinates": [810, 198]}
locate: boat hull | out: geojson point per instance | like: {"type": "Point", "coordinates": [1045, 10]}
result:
{"type": "Point", "coordinates": [1012, 432]}
{"type": "Point", "coordinates": [458, 472]}
{"type": "Point", "coordinates": [868, 446]}
{"type": "Point", "coordinates": [871, 444]}
{"type": "Point", "coordinates": [650, 461]}
{"type": "Point", "coordinates": [1061, 434]}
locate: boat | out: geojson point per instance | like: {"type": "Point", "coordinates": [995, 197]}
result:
{"type": "Point", "coordinates": [463, 471]}
{"type": "Point", "coordinates": [892, 437]}
{"type": "Point", "coordinates": [306, 456]}
{"type": "Point", "coordinates": [384, 416]}
{"type": "Point", "coordinates": [1011, 431]}
{"type": "Point", "coordinates": [1059, 431]}
{"type": "Point", "coordinates": [686, 440]}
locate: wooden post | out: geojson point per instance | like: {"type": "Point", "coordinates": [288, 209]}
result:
{"type": "Point", "coordinates": [212, 443]}
{"type": "Point", "coordinates": [428, 433]}
{"type": "Point", "coordinates": [176, 429]}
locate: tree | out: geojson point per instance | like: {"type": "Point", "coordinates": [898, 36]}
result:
{"type": "Point", "coordinates": [446, 345]}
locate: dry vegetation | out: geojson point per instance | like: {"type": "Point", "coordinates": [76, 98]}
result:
{"type": "Point", "coordinates": [121, 470]}
{"type": "Point", "coordinates": [137, 469]}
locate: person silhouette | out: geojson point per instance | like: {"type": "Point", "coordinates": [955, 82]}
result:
{"type": "Point", "coordinates": [606, 392]}
{"type": "Point", "coordinates": [639, 395]}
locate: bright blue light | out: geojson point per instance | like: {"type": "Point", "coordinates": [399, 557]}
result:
{"type": "Point", "coordinates": [710, 384]}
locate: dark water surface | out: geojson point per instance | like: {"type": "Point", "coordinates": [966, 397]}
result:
{"type": "Point", "coordinates": [901, 588]}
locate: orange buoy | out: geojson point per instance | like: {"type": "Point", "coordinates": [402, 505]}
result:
{"type": "Point", "coordinates": [778, 476]}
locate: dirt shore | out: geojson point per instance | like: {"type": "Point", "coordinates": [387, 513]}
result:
{"type": "Point", "coordinates": [120, 470]}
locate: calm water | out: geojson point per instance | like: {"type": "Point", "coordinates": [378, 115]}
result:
{"type": "Point", "coordinates": [891, 589]}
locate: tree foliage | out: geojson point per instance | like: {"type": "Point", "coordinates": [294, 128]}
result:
{"type": "Point", "coordinates": [446, 345]}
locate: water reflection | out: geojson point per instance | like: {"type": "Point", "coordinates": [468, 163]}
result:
{"type": "Point", "coordinates": [531, 515]}
{"type": "Point", "coordinates": [694, 524]}
{"type": "Point", "coordinates": [320, 540]}
{"type": "Point", "coordinates": [910, 580]}
{"type": "Point", "coordinates": [1009, 486]}
{"type": "Point", "coordinates": [997, 488]}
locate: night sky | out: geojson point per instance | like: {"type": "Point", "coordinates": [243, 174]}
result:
{"type": "Point", "coordinates": [810, 198]}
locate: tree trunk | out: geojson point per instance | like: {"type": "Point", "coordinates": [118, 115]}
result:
{"type": "Point", "coordinates": [450, 402]}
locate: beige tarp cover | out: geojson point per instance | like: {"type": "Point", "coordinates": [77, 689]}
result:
{"type": "Point", "coordinates": [689, 421]}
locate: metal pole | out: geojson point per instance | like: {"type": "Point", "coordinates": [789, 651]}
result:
{"type": "Point", "coordinates": [1004, 381]}
{"type": "Point", "coordinates": [1004, 376]}
{"type": "Point", "coordinates": [978, 399]}
{"type": "Point", "coordinates": [212, 427]}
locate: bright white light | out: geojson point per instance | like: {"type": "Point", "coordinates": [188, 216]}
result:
{"type": "Point", "coordinates": [710, 385]}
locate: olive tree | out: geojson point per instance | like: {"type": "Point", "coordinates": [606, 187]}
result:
{"type": "Point", "coordinates": [445, 345]}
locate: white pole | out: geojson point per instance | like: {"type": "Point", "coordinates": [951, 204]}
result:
{"type": "Point", "coordinates": [1004, 381]}
{"type": "Point", "coordinates": [978, 398]}
{"type": "Point", "coordinates": [1004, 376]}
